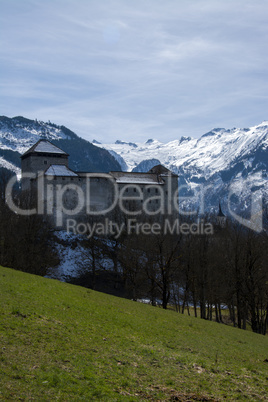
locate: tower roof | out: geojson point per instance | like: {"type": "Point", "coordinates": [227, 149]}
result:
{"type": "Point", "coordinates": [44, 146]}
{"type": "Point", "coordinates": [59, 170]}
{"type": "Point", "coordinates": [161, 170]}
{"type": "Point", "coordinates": [136, 178]}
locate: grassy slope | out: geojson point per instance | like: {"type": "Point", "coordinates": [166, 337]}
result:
{"type": "Point", "coordinates": [64, 342]}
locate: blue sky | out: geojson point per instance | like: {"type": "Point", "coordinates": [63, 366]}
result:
{"type": "Point", "coordinates": [134, 70]}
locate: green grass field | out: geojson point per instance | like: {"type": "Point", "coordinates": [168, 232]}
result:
{"type": "Point", "coordinates": [67, 343]}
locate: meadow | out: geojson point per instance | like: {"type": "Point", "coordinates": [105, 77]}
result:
{"type": "Point", "coordinates": [63, 342]}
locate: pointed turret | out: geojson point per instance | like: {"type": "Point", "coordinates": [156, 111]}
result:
{"type": "Point", "coordinates": [221, 218]}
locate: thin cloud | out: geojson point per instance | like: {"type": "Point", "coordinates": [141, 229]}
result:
{"type": "Point", "coordinates": [118, 70]}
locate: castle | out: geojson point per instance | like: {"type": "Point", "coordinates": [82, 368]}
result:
{"type": "Point", "coordinates": [63, 194]}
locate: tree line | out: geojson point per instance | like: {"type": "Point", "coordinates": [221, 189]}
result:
{"type": "Point", "coordinates": [221, 276]}
{"type": "Point", "coordinates": [26, 242]}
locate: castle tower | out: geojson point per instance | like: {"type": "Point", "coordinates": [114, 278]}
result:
{"type": "Point", "coordinates": [171, 186]}
{"type": "Point", "coordinates": [39, 157]}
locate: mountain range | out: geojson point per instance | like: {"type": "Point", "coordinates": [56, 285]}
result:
{"type": "Point", "coordinates": [229, 166]}
{"type": "Point", "coordinates": [224, 165]}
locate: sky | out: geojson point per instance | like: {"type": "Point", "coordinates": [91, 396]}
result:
{"type": "Point", "coordinates": [134, 70]}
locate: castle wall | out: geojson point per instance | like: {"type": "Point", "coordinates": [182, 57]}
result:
{"type": "Point", "coordinates": [87, 198]}
{"type": "Point", "coordinates": [76, 198]}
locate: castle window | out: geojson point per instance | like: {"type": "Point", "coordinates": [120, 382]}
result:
{"type": "Point", "coordinates": [149, 190]}
{"type": "Point", "coordinates": [134, 190]}
{"type": "Point", "coordinates": [156, 191]}
{"type": "Point", "coordinates": [45, 162]}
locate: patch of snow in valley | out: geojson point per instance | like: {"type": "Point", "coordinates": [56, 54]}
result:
{"type": "Point", "coordinates": [74, 258]}
{"type": "Point", "coordinates": [71, 257]}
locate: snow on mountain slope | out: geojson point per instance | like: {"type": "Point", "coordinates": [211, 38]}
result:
{"type": "Point", "coordinates": [212, 152]}
{"type": "Point", "coordinates": [18, 134]}
{"type": "Point", "coordinates": [220, 161]}
{"type": "Point", "coordinates": [9, 166]}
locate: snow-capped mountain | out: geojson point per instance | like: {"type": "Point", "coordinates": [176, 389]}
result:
{"type": "Point", "coordinates": [220, 164]}
{"type": "Point", "coordinates": [18, 134]}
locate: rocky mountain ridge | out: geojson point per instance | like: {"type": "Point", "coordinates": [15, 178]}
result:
{"type": "Point", "coordinates": [227, 165]}
{"type": "Point", "coordinates": [18, 134]}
